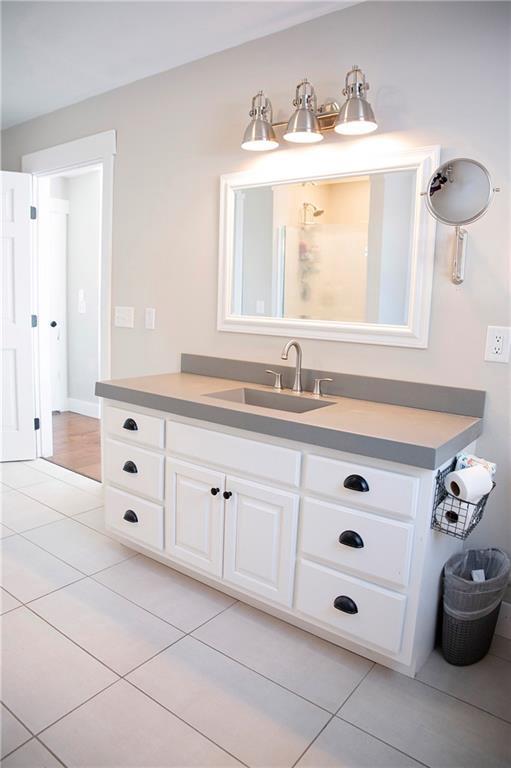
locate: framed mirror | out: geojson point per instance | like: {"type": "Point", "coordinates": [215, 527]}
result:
{"type": "Point", "coordinates": [341, 253]}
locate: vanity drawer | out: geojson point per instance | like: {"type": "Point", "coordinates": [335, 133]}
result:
{"type": "Point", "coordinates": [134, 427]}
{"type": "Point", "coordinates": [134, 518]}
{"type": "Point", "coordinates": [372, 546]}
{"type": "Point", "coordinates": [134, 468]}
{"type": "Point", "coordinates": [379, 616]}
{"type": "Point", "coordinates": [358, 484]}
{"type": "Point", "coordinates": [273, 462]}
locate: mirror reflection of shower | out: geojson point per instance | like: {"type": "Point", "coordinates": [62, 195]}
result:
{"type": "Point", "coordinates": [310, 212]}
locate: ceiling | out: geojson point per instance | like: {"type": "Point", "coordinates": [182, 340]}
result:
{"type": "Point", "coordinates": [58, 53]}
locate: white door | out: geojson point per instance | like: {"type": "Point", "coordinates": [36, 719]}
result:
{"type": "Point", "coordinates": [195, 515]}
{"type": "Point", "coordinates": [57, 301]}
{"type": "Point", "coordinates": [17, 378]}
{"type": "Point", "coordinates": [260, 539]}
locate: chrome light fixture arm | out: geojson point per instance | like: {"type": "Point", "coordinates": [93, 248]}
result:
{"type": "Point", "coordinates": [261, 107]}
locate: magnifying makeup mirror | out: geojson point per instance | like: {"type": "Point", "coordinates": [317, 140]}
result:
{"type": "Point", "coordinates": [459, 192]}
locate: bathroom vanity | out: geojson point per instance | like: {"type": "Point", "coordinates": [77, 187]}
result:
{"type": "Point", "coordinates": [316, 510]}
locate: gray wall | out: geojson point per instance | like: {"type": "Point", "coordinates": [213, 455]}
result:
{"type": "Point", "coordinates": [166, 200]}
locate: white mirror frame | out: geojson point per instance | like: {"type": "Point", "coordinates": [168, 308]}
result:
{"type": "Point", "coordinates": [341, 162]}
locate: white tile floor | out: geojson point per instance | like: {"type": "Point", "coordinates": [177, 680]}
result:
{"type": "Point", "coordinates": [110, 660]}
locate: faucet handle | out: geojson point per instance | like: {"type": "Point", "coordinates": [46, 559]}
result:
{"type": "Point", "coordinates": [277, 384]}
{"type": "Point", "coordinates": [317, 386]}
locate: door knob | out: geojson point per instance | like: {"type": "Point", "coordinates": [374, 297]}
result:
{"type": "Point", "coordinates": [227, 494]}
{"type": "Point", "coordinates": [53, 323]}
{"type": "Point", "coordinates": [215, 491]}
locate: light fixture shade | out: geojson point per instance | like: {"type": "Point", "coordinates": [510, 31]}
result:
{"type": "Point", "coordinates": [356, 116]}
{"type": "Point", "coordinates": [303, 126]}
{"type": "Point", "coordinates": [259, 135]}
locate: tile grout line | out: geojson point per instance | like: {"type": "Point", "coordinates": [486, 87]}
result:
{"type": "Point", "coordinates": [382, 741]}
{"type": "Point", "coordinates": [23, 744]}
{"type": "Point", "coordinates": [52, 476]}
{"type": "Point", "coordinates": [183, 635]}
{"type": "Point", "coordinates": [260, 674]}
{"type": "Point", "coordinates": [45, 746]}
{"type": "Point", "coordinates": [316, 737]}
{"type": "Point", "coordinates": [70, 639]}
{"type": "Point", "coordinates": [462, 701]}
{"type": "Point", "coordinates": [23, 491]}
{"type": "Point", "coordinates": [54, 722]}
{"type": "Point", "coordinates": [140, 690]}
{"type": "Point", "coordinates": [57, 557]}
{"type": "Point", "coordinates": [32, 737]}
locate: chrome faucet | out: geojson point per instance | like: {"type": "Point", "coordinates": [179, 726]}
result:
{"type": "Point", "coordinates": [297, 386]}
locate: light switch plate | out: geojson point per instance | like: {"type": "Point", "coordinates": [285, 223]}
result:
{"type": "Point", "coordinates": [150, 318]}
{"type": "Point", "coordinates": [498, 343]}
{"type": "Point", "coordinates": [124, 317]}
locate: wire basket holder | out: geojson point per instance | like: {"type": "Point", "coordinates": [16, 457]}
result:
{"type": "Point", "coordinates": [452, 515]}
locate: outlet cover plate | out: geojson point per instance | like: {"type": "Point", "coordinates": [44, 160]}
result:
{"type": "Point", "coordinates": [124, 317]}
{"type": "Point", "coordinates": [498, 342]}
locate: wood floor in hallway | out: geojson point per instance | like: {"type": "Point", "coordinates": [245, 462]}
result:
{"type": "Point", "coordinates": [77, 444]}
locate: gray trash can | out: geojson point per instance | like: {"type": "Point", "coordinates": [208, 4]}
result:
{"type": "Point", "coordinates": [471, 608]}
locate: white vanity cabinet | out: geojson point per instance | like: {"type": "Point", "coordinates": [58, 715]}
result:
{"type": "Point", "coordinates": [334, 543]}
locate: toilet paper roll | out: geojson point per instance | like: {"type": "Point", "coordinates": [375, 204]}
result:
{"type": "Point", "coordinates": [458, 520]}
{"type": "Point", "coordinates": [469, 484]}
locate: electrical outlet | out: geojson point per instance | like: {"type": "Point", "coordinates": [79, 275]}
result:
{"type": "Point", "coordinates": [124, 317]}
{"type": "Point", "coordinates": [498, 342]}
{"type": "Point", "coordinates": [150, 318]}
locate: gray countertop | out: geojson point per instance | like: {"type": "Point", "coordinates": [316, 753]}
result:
{"type": "Point", "coordinates": [420, 438]}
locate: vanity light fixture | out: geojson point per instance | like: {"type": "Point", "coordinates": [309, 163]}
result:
{"type": "Point", "coordinates": [259, 135]}
{"type": "Point", "coordinates": [303, 126]}
{"type": "Point", "coordinates": [309, 121]}
{"type": "Point", "coordinates": [356, 116]}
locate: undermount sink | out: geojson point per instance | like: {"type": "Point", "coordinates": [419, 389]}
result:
{"type": "Point", "coordinates": [274, 400]}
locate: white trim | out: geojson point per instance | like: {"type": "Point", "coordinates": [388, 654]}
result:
{"type": "Point", "coordinates": [97, 150]}
{"type": "Point", "coordinates": [84, 407]}
{"type": "Point", "coordinates": [72, 154]}
{"type": "Point", "coordinates": [345, 162]}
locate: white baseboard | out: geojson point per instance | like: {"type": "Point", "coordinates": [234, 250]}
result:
{"type": "Point", "coordinates": [504, 622]}
{"type": "Point", "coordinates": [83, 407]}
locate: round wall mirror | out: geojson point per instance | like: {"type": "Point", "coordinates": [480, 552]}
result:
{"type": "Point", "coordinates": [459, 191]}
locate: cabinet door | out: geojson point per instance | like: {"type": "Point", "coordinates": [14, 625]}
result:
{"type": "Point", "coordinates": [195, 515]}
{"type": "Point", "coordinates": [260, 539]}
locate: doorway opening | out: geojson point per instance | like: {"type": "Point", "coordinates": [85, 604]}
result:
{"type": "Point", "coordinates": [69, 277]}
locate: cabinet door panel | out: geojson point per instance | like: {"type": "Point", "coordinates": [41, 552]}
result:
{"type": "Point", "coordinates": [195, 517]}
{"type": "Point", "coordinates": [260, 539]}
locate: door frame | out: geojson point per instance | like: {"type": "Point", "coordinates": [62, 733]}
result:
{"type": "Point", "coordinates": [96, 150]}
